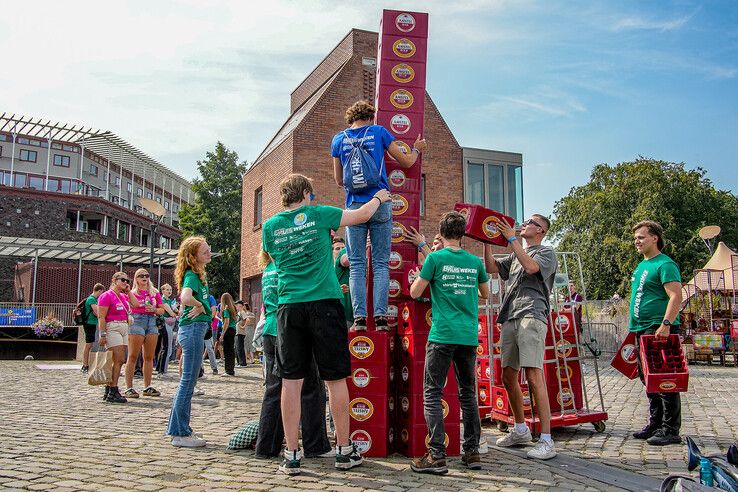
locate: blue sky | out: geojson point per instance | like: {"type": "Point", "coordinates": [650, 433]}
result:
{"type": "Point", "coordinates": [567, 83]}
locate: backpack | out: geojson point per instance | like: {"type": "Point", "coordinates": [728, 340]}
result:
{"type": "Point", "coordinates": [80, 313]}
{"type": "Point", "coordinates": [360, 169]}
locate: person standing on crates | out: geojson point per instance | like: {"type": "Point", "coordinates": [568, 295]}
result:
{"type": "Point", "coordinates": [655, 298]}
{"type": "Point", "coordinates": [528, 273]}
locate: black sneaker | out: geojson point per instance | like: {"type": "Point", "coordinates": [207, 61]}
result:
{"type": "Point", "coordinates": [138, 374]}
{"type": "Point", "coordinates": [291, 466]}
{"type": "Point", "coordinates": [85, 369]}
{"type": "Point", "coordinates": [472, 460]}
{"type": "Point", "coordinates": [359, 324]}
{"type": "Point", "coordinates": [107, 392]}
{"type": "Point", "coordinates": [646, 432]}
{"type": "Point", "coordinates": [380, 323]}
{"type": "Point", "coordinates": [347, 461]}
{"type": "Point", "coordinates": [662, 438]}
{"type": "Point", "coordinates": [114, 396]}
{"type": "Point", "coordinates": [428, 464]}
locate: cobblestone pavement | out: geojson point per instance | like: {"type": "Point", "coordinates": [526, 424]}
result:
{"type": "Point", "coordinates": [56, 433]}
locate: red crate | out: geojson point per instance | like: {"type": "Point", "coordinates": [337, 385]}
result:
{"type": "Point", "coordinates": [402, 73]}
{"type": "Point", "coordinates": [373, 440]}
{"type": "Point", "coordinates": [401, 179]}
{"type": "Point", "coordinates": [409, 378]}
{"type": "Point", "coordinates": [406, 204]}
{"type": "Point", "coordinates": [564, 349]}
{"type": "Point", "coordinates": [569, 396]}
{"type": "Point", "coordinates": [405, 252]}
{"type": "Point", "coordinates": [403, 125]}
{"type": "Point", "coordinates": [409, 278]}
{"type": "Point", "coordinates": [371, 347]}
{"type": "Point", "coordinates": [484, 373]}
{"type": "Point", "coordinates": [413, 440]}
{"type": "Point", "coordinates": [482, 327]}
{"type": "Point", "coordinates": [371, 410]}
{"type": "Point", "coordinates": [485, 393]}
{"type": "Point", "coordinates": [496, 332]}
{"type": "Point", "coordinates": [410, 409]}
{"type": "Point", "coordinates": [499, 400]}
{"type": "Point", "coordinates": [415, 317]}
{"type": "Point", "coordinates": [664, 365]}
{"type": "Point", "coordinates": [394, 97]}
{"type": "Point", "coordinates": [562, 328]}
{"type": "Point", "coordinates": [392, 317]}
{"type": "Point", "coordinates": [626, 358]}
{"type": "Point", "coordinates": [403, 48]}
{"type": "Point", "coordinates": [369, 379]}
{"type": "Point", "coordinates": [400, 226]}
{"type": "Point", "coordinates": [479, 224]}
{"type": "Point", "coordinates": [412, 345]}
{"type": "Point", "coordinates": [483, 348]}
{"type": "Point", "coordinates": [497, 371]}
{"type": "Point", "coordinates": [403, 23]}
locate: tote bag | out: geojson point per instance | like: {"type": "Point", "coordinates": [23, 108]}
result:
{"type": "Point", "coordinates": [101, 369]}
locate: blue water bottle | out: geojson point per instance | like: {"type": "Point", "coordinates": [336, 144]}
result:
{"type": "Point", "coordinates": [706, 472]}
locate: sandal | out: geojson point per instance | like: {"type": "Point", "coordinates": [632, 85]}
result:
{"type": "Point", "coordinates": [150, 391]}
{"type": "Point", "coordinates": [131, 393]}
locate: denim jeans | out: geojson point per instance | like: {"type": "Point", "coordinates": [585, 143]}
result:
{"type": "Point", "coordinates": [211, 353]}
{"type": "Point", "coordinates": [438, 358]}
{"type": "Point", "coordinates": [312, 419]}
{"type": "Point", "coordinates": [379, 228]}
{"type": "Point", "coordinates": [192, 343]}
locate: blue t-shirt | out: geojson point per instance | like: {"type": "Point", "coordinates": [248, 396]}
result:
{"type": "Point", "coordinates": [377, 140]}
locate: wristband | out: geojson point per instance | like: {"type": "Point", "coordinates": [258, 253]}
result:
{"type": "Point", "coordinates": [416, 150]}
{"type": "Point", "coordinates": [380, 201]}
{"type": "Point", "coordinates": [420, 246]}
{"type": "Point", "coordinates": [511, 239]}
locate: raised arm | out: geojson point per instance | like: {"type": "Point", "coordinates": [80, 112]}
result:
{"type": "Point", "coordinates": [403, 159]}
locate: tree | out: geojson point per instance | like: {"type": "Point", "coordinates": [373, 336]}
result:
{"type": "Point", "coordinates": [595, 219]}
{"type": "Point", "coordinates": [216, 215]}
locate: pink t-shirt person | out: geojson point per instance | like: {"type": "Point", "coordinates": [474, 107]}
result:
{"type": "Point", "coordinates": [117, 305]}
{"type": "Point", "coordinates": [142, 296]}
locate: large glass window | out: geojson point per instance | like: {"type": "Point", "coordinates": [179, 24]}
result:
{"type": "Point", "coordinates": [36, 182]}
{"type": "Point", "coordinates": [515, 192]}
{"type": "Point", "coordinates": [496, 185]}
{"type": "Point", "coordinates": [52, 184]}
{"type": "Point", "coordinates": [20, 180]}
{"type": "Point", "coordinates": [61, 160]}
{"type": "Point", "coordinates": [257, 206]}
{"type": "Point", "coordinates": [475, 183]}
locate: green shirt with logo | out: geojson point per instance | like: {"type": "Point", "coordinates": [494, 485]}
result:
{"type": "Point", "coordinates": [201, 294]}
{"type": "Point", "coordinates": [343, 274]}
{"type": "Point", "coordinates": [648, 299]}
{"type": "Point", "coordinates": [454, 276]}
{"type": "Point", "coordinates": [299, 241]}
{"type": "Point", "coordinates": [269, 283]}
{"type": "Point", "coordinates": [91, 318]}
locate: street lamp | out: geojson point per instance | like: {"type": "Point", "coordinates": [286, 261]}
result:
{"type": "Point", "coordinates": [707, 233]}
{"type": "Point", "coordinates": [157, 214]}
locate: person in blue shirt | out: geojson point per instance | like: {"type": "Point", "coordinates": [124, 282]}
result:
{"type": "Point", "coordinates": [376, 140]}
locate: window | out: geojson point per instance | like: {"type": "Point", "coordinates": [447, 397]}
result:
{"type": "Point", "coordinates": [66, 186]}
{"type": "Point", "coordinates": [158, 199]}
{"type": "Point", "coordinates": [175, 207]}
{"type": "Point", "coordinates": [20, 180]}
{"type": "Point", "coordinates": [21, 140]}
{"type": "Point", "coordinates": [5, 138]}
{"type": "Point", "coordinates": [122, 231]}
{"type": "Point", "coordinates": [422, 195]}
{"type": "Point", "coordinates": [36, 182]}
{"type": "Point", "coordinates": [149, 195]}
{"type": "Point", "coordinates": [71, 148]}
{"type": "Point", "coordinates": [515, 192]}
{"type": "Point", "coordinates": [494, 183]}
{"type": "Point", "coordinates": [27, 155]}
{"type": "Point", "coordinates": [166, 205]}
{"type": "Point", "coordinates": [257, 206]}
{"type": "Point", "coordinates": [61, 160]}
{"type": "Point", "coordinates": [495, 187]}
{"type": "Point", "coordinates": [117, 181]}
{"type": "Point", "coordinates": [93, 169]}
{"type": "Point", "coordinates": [130, 187]}
{"type": "Point", "coordinates": [56, 146]}
{"type": "Point", "coordinates": [139, 192]}
{"type": "Point", "coordinates": [475, 183]}
{"type": "Point", "coordinates": [114, 199]}
{"type": "Point", "coordinates": [52, 184]}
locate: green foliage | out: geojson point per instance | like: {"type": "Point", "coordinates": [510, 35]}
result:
{"type": "Point", "coordinates": [216, 215]}
{"type": "Point", "coordinates": [595, 219]}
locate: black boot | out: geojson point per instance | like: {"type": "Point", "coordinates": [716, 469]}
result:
{"type": "Point", "coordinates": [107, 392]}
{"type": "Point", "coordinates": [664, 438]}
{"type": "Point", "coordinates": [646, 432]}
{"type": "Point", "coordinates": [115, 397]}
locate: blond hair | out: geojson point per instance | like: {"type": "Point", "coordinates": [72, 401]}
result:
{"type": "Point", "coordinates": [226, 302]}
{"type": "Point", "coordinates": [116, 276]}
{"type": "Point", "coordinates": [360, 111]}
{"type": "Point", "coordinates": [187, 260]}
{"type": "Point", "coordinates": [264, 259]}
{"type": "Point", "coordinates": [134, 288]}
{"type": "Point", "coordinates": [293, 188]}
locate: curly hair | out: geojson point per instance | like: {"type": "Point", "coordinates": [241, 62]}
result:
{"type": "Point", "coordinates": [360, 110]}
{"type": "Point", "coordinates": [452, 225]}
{"type": "Point", "coordinates": [293, 188]}
{"type": "Point", "coordinates": [187, 260]}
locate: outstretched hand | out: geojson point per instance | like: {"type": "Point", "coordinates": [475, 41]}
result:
{"type": "Point", "coordinates": [414, 236]}
{"type": "Point", "coordinates": [504, 228]}
{"type": "Point", "coordinates": [420, 143]}
{"type": "Point", "coordinates": [383, 195]}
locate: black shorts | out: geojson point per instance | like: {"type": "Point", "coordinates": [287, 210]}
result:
{"type": "Point", "coordinates": [312, 329]}
{"type": "Point", "coordinates": [89, 332]}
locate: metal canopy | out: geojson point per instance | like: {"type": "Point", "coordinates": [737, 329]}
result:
{"type": "Point", "coordinates": [75, 250]}
{"type": "Point", "coordinates": [104, 143]}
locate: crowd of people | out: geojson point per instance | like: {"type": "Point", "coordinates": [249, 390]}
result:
{"type": "Point", "coordinates": [314, 292]}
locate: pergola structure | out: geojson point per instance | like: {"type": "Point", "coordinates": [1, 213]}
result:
{"type": "Point", "coordinates": [105, 144]}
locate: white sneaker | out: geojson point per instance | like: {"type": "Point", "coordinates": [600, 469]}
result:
{"type": "Point", "coordinates": [198, 392]}
{"type": "Point", "coordinates": [188, 442]}
{"type": "Point", "coordinates": [331, 453]}
{"type": "Point", "coordinates": [514, 438]}
{"type": "Point", "coordinates": [543, 450]}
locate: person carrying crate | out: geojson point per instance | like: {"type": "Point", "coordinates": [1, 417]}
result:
{"type": "Point", "coordinates": [528, 274]}
{"type": "Point", "coordinates": [655, 298]}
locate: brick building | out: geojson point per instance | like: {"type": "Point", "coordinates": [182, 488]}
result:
{"type": "Point", "coordinates": [302, 145]}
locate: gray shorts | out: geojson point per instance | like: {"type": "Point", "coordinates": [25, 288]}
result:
{"type": "Point", "coordinates": [523, 342]}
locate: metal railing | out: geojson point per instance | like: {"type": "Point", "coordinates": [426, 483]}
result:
{"type": "Point", "coordinates": [25, 314]}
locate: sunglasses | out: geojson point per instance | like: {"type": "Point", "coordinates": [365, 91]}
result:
{"type": "Point", "coordinates": [143, 275]}
{"type": "Point", "coordinates": [124, 280]}
{"type": "Point", "coordinates": [531, 221]}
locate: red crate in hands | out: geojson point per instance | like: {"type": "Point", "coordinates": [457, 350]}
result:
{"type": "Point", "coordinates": [479, 223]}
{"type": "Point", "coordinates": [664, 365]}
{"type": "Point", "coordinates": [626, 358]}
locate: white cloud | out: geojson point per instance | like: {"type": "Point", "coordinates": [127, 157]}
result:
{"type": "Point", "coordinates": [638, 22]}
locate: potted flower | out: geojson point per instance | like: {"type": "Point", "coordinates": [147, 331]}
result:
{"type": "Point", "coordinates": [48, 327]}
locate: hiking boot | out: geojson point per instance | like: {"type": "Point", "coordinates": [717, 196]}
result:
{"type": "Point", "coordinates": [131, 393]}
{"type": "Point", "coordinates": [359, 324]}
{"type": "Point", "coordinates": [663, 438]}
{"type": "Point", "coordinates": [646, 432]}
{"type": "Point", "coordinates": [114, 396]}
{"type": "Point", "coordinates": [348, 457]}
{"type": "Point", "coordinates": [428, 464]}
{"type": "Point", "coordinates": [543, 450]}
{"type": "Point", "coordinates": [472, 460]}
{"type": "Point", "coordinates": [380, 323]}
{"type": "Point", "coordinates": [150, 391]}
{"type": "Point", "coordinates": [107, 392]}
{"type": "Point", "coordinates": [291, 462]}
{"type": "Point", "coordinates": [191, 441]}
{"type": "Point", "coordinates": [514, 438]}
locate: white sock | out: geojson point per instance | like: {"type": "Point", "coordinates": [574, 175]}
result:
{"type": "Point", "coordinates": [344, 450]}
{"type": "Point", "coordinates": [520, 428]}
{"type": "Point", "coordinates": [546, 437]}
{"type": "Point", "coordinates": [292, 455]}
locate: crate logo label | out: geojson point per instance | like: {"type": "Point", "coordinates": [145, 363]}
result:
{"type": "Point", "coordinates": [404, 435]}
{"type": "Point", "coordinates": [446, 408]}
{"type": "Point", "coordinates": [361, 378]}
{"type": "Point", "coordinates": [562, 350]}
{"type": "Point", "coordinates": [403, 73]}
{"type": "Point", "coordinates": [489, 228]}
{"type": "Point", "coordinates": [405, 404]}
{"type": "Point", "coordinates": [395, 260]}
{"type": "Point", "coordinates": [411, 276]}
{"type": "Point", "coordinates": [628, 353]}
{"type": "Point", "coordinates": [562, 323]}
{"type": "Point", "coordinates": [404, 48]}
{"type": "Point", "coordinates": [405, 313]}
{"type": "Point", "coordinates": [399, 204]}
{"type": "Point", "coordinates": [362, 440]}
{"type": "Point", "coordinates": [401, 99]}
{"type": "Point", "coordinates": [483, 394]}
{"type": "Point", "coordinates": [405, 22]}
{"type": "Point", "coordinates": [499, 402]}
{"type": "Point", "coordinates": [464, 213]}
{"type": "Point", "coordinates": [392, 315]}
{"type": "Point", "coordinates": [482, 329]}
{"type": "Point", "coordinates": [429, 317]}
{"type": "Point", "coordinates": [480, 349]}
{"type": "Point", "coordinates": [394, 288]}
{"type": "Point", "coordinates": [391, 435]}
{"type": "Point", "coordinates": [397, 178]}
{"type": "Point", "coordinates": [391, 403]}
{"type": "Point", "coordinates": [398, 232]}
{"type": "Point", "coordinates": [361, 347]}
{"type": "Point", "coordinates": [565, 372]}
{"type": "Point", "coordinates": [405, 148]}
{"type": "Point", "coordinates": [392, 373]}
{"type": "Point", "coordinates": [445, 440]}
{"type": "Point", "coordinates": [487, 372]}
{"type": "Point", "coordinates": [667, 385]}
{"type": "Point", "coordinates": [405, 343]}
{"type": "Point", "coordinates": [400, 124]}
{"type": "Point", "coordinates": [526, 401]}
{"type": "Point", "coordinates": [405, 373]}
{"type": "Point", "coordinates": [361, 409]}
{"type": "Point", "coordinates": [565, 398]}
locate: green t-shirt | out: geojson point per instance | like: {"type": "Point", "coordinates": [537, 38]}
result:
{"type": "Point", "coordinates": [648, 299]}
{"type": "Point", "coordinates": [299, 241]}
{"type": "Point", "coordinates": [269, 283]}
{"type": "Point", "coordinates": [201, 294]}
{"type": "Point", "coordinates": [91, 318]}
{"type": "Point", "coordinates": [454, 276]}
{"type": "Point", "coordinates": [343, 274]}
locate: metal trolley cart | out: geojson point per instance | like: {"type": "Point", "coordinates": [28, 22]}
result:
{"type": "Point", "coordinates": [569, 342]}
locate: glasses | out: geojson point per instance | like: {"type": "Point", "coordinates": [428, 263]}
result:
{"type": "Point", "coordinates": [143, 275]}
{"type": "Point", "coordinates": [531, 221]}
{"type": "Point", "coordinates": [124, 280]}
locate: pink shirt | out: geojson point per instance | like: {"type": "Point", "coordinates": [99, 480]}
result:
{"type": "Point", "coordinates": [142, 296]}
{"type": "Point", "coordinates": [117, 305]}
